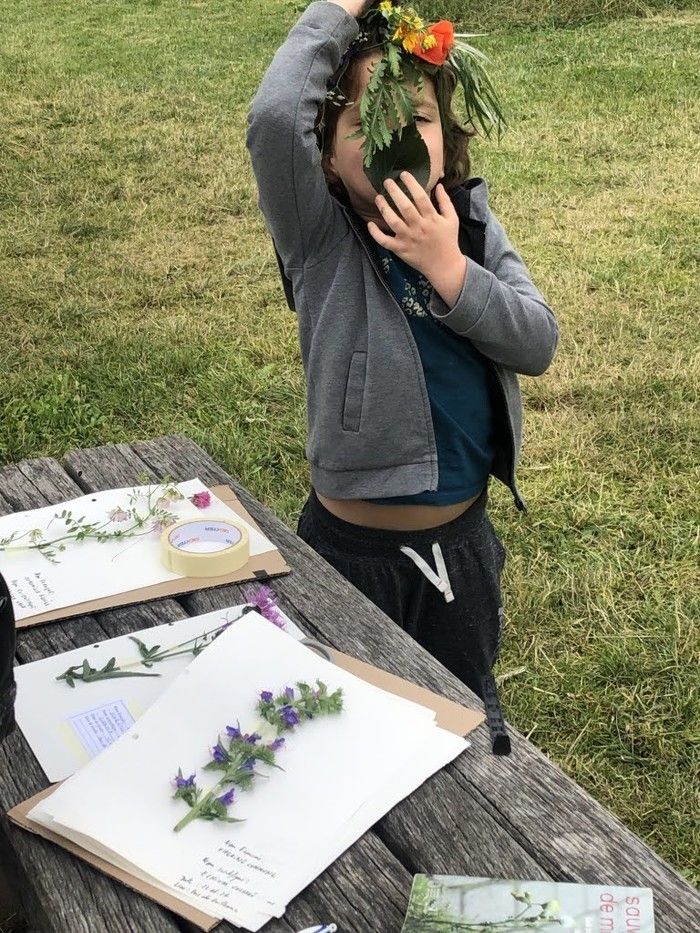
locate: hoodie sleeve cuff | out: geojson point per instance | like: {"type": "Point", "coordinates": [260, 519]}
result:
{"type": "Point", "coordinates": [332, 19]}
{"type": "Point", "coordinates": [471, 303]}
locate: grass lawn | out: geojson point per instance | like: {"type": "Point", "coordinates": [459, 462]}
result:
{"type": "Point", "coordinates": [139, 296]}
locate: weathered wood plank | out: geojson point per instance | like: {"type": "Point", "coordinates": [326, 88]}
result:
{"type": "Point", "coordinates": [118, 461]}
{"type": "Point", "coordinates": [540, 809]}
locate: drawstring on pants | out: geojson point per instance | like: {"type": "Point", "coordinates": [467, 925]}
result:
{"type": "Point", "coordinates": [440, 580]}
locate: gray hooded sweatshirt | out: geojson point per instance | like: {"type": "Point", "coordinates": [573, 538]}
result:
{"type": "Point", "coordinates": [370, 431]}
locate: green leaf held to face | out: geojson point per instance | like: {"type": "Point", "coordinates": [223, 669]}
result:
{"type": "Point", "coordinates": [407, 152]}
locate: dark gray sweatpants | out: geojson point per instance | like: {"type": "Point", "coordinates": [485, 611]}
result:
{"type": "Point", "coordinates": [463, 634]}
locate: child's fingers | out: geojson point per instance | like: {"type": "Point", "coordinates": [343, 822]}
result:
{"type": "Point", "coordinates": [382, 238]}
{"type": "Point", "coordinates": [418, 193]}
{"type": "Point", "coordinates": [445, 204]}
{"type": "Point", "coordinates": [401, 200]}
{"type": "Point", "coordinates": [396, 222]}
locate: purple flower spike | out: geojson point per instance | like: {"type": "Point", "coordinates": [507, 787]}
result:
{"type": "Point", "coordinates": [180, 781]}
{"type": "Point", "coordinates": [228, 798]}
{"type": "Point", "coordinates": [277, 744]}
{"type": "Point", "coordinates": [266, 696]}
{"type": "Point", "coordinates": [290, 716]}
{"type": "Point", "coordinates": [248, 764]}
{"type": "Point", "coordinates": [252, 738]}
{"type": "Point", "coordinates": [289, 692]}
{"type": "Point", "coordinates": [219, 753]}
{"type": "Point", "coordinates": [233, 732]}
{"type": "Point", "coordinates": [264, 602]}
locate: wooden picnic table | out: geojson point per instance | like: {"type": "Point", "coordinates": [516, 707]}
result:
{"type": "Point", "coordinates": [514, 817]}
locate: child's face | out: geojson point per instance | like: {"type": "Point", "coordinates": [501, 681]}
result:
{"type": "Point", "coordinates": [345, 162]}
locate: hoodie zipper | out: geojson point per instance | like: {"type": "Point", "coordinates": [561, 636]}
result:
{"type": "Point", "coordinates": [393, 298]}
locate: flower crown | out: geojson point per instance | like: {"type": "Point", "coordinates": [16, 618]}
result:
{"type": "Point", "coordinates": [409, 50]}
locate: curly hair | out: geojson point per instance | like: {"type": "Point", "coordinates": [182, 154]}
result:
{"type": "Point", "coordinates": [455, 136]}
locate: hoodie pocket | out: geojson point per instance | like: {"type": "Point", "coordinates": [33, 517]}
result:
{"type": "Point", "coordinates": [355, 391]}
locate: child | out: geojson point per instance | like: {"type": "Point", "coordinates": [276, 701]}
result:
{"type": "Point", "coordinates": [415, 314]}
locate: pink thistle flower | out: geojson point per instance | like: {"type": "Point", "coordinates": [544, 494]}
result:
{"type": "Point", "coordinates": [201, 499]}
{"type": "Point", "coordinates": [264, 602]}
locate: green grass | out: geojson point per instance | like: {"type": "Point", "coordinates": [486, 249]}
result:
{"type": "Point", "coordinates": [139, 296]}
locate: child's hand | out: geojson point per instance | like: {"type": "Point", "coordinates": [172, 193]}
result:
{"type": "Point", "coordinates": [425, 238]}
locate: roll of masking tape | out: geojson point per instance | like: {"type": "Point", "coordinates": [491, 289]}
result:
{"type": "Point", "coordinates": [208, 547]}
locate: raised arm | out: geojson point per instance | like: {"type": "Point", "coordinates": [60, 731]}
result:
{"type": "Point", "coordinates": [303, 218]}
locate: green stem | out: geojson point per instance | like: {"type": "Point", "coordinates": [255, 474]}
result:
{"type": "Point", "coordinates": [173, 652]}
{"type": "Point", "coordinates": [195, 810]}
{"type": "Point", "coordinates": [44, 545]}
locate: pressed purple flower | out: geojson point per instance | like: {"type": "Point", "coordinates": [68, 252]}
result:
{"type": "Point", "coordinates": [181, 781]}
{"type": "Point", "coordinates": [233, 732]}
{"type": "Point", "coordinates": [277, 744]}
{"type": "Point", "coordinates": [289, 692]}
{"type": "Point", "coordinates": [219, 753]}
{"type": "Point", "coordinates": [252, 738]}
{"type": "Point", "coordinates": [228, 798]}
{"type": "Point", "coordinates": [266, 696]}
{"type": "Point", "coordinates": [290, 716]}
{"type": "Point", "coordinates": [248, 764]}
{"type": "Point", "coordinates": [264, 602]}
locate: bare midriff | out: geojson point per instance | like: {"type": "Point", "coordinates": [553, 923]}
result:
{"type": "Point", "coordinates": [394, 517]}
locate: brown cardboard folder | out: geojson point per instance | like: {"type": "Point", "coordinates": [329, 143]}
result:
{"type": "Point", "coordinates": [450, 716]}
{"type": "Point", "coordinates": [272, 563]}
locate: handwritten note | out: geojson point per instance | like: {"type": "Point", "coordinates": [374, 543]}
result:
{"type": "Point", "coordinates": [31, 593]}
{"type": "Point", "coordinates": [100, 726]}
{"type": "Point", "coordinates": [234, 877]}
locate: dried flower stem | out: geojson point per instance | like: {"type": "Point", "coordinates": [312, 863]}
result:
{"type": "Point", "coordinates": [156, 513]}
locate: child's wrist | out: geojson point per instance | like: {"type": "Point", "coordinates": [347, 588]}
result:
{"type": "Point", "coordinates": [448, 279]}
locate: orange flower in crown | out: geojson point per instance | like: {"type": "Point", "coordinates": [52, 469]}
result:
{"type": "Point", "coordinates": [436, 44]}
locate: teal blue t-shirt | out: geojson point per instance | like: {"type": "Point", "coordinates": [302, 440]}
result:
{"type": "Point", "coordinates": [457, 379]}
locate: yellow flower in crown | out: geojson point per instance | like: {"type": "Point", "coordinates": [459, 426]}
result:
{"type": "Point", "coordinates": [386, 6]}
{"type": "Point", "coordinates": [409, 34]}
{"type": "Point", "coordinates": [408, 38]}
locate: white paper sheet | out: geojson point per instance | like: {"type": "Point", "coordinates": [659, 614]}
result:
{"type": "Point", "coordinates": [380, 747]}
{"type": "Point", "coordinates": [57, 720]}
{"type": "Point", "coordinates": [87, 569]}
